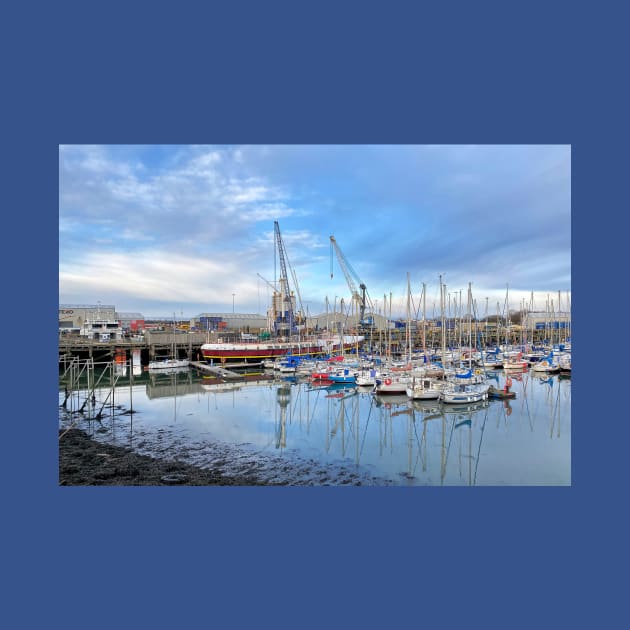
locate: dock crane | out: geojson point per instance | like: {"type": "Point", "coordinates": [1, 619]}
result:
{"type": "Point", "coordinates": [351, 275]}
{"type": "Point", "coordinates": [285, 319]}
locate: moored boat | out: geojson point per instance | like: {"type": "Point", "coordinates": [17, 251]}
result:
{"type": "Point", "coordinates": [168, 364]}
{"type": "Point", "coordinates": [258, 352]}
{"type": "Point", "coordinates": [515, 362]}
{"type": "Point", "coordinates": [465, 387]}
{"type": "Point", "coordinates": [548, 365]}
{"type": "Point", "coordinates": [424, 389]}
{"type": "Point", "coordinates": [494, 392]}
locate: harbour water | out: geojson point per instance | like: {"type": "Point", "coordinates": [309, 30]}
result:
{"type": "Point", "coordinates": [288, 431]}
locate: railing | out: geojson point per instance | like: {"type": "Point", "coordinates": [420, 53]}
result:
{"type": "Point", "coordinates": [81, 383]}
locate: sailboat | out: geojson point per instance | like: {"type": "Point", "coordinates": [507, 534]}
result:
{"type": "Point", "coordinates": [424, 388]}
{"type": "Point", "coordinates": [172, 364]}
{"type": "Point", "coordinates": [547, 365]}
{"type": "Point", "coordinates": [466, 387]}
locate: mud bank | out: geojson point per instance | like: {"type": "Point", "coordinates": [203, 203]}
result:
{"type": "Point", "coordinates": [86, 462]}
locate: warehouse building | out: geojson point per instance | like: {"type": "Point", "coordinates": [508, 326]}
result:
{"type": "Point", "coordinates": [543, 320]}
{"type": "Point", "coordinates": [72, 317]}
{"type": "Point", "coordinates": [131, 322]}
{"type": "Point", "coordinates": [218, 322]}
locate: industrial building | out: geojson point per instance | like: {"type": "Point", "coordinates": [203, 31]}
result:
{"type": "Point", "coordinates": [90, 320]}
{"type": "Point", "coordinates": [72, 317]}
{"type": "Point", "coordinates": [544, 320]}
{"type": "Point", "coordinates": [131, 322]}
{"type": "Point", "coordinates": [218, 322]}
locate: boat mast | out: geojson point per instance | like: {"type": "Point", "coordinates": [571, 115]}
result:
{"type": "Point", "coordinates": [442, 289]}
{"type": "Point", "coordinates": [424, 320]}
{"type": "Point", "coordinates": [408, 318]}
{"type": "Point", "coordinates": [469, 326]}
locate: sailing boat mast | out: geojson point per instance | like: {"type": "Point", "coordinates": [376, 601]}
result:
{"type": "Point", "coordinates": [424, 321]}
{"type": "Point", "coordinates": [442, 288]}
{"type": "Point", "coordinates": [469, 326]}
{"type": "Point", "coordinates": [408, 319]}
{"type": "Point", "coordinates": [507, 319]}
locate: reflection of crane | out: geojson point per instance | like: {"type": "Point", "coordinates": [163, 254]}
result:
{"type": "Point", "coordinates": [350, 273]}
{"type": "Point", "coordinates": [284, 398]}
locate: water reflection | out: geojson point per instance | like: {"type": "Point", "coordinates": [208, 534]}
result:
{"type": "Point", "coordinates": [523, 441]}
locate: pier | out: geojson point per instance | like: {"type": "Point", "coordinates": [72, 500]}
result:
{"type": "Point", "coordinates": [216, 370]}
{"type": "Point", "coordinates": [392, 342]}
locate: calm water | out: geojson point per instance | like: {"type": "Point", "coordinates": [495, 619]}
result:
{"type": "Point", "coordinates": [292, 432]}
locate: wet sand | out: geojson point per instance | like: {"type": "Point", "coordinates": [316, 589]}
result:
{"type": "Point", "coordinates": [86, 462]}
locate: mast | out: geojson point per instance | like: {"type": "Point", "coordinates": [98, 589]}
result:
{"type": "Point", "coordinates": [507, 319]}
{"type": "Point", "coordinates": [424, 321]}
{"type": "Point", "coordinates": [389, 329]}
{"type": "Point", "coordinates": [408, 319]}
{"type": "Point", "coordinates": [442, 288]}
{"type": "Point", "coordinates": [469, 326]}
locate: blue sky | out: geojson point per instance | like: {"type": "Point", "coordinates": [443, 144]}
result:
{"type": "Point", "coordinates": [179, 229]}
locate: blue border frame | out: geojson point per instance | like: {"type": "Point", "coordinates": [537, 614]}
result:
{"type": "Point", "coordinates": [291, 72]}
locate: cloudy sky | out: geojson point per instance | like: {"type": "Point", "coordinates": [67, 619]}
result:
{"type": "Point", "coordinates": [171, 229]}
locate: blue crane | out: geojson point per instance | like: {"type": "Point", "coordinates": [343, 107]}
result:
{"type": "Point", "coordinates": [350, 273]}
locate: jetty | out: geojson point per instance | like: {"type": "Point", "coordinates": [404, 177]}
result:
{"type": "Point", "coordinates": [216, 370]}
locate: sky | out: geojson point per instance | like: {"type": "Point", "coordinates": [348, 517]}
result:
{"type": "Point", "coordinates": [168, 230]}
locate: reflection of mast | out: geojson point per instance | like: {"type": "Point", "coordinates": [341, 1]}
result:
{"type": "Point", "coordinates": [443, 452]}
{"type": "Point", "coordinates": [355, 419]}
{"type": "Point", "coordinates": [283, 395]}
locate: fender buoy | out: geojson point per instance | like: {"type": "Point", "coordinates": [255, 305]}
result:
{"type": "Point", "coordinates": [388, 381]}
{"type": "Point", "coordinates": [477, 372]}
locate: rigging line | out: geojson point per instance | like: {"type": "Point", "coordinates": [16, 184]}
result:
{"type": "Point", "coordinates": [297, 398]}
{"type": "Point", "coordinates": [347, 418]}
{"type": "Point", "coordinates": [448, 447]}
{"type": "Point", "coordinates": [314, 406]}
{"type": "Point", "coordinates": [556, 408]}
{"type": "Point", "coordinates": [367, 422]}
{"type": "Point", "coordinates": [525, 402]}
{"type": "Point", "coordinates": [418, 439]}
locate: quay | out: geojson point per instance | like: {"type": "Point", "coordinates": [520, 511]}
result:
{"type": "Point", "coordinates": [155, 345]}
{"type": "Point", "coordinates": [152, 346]}
{"type": "Point", "coordinates": [215, 370]}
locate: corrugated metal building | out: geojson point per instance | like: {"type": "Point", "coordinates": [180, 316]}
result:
{"type": "Point", "coordinates": [542, 320]}
{"type": "Point", "coordinates": [231, 321]}
{"type": "Point", "coordinates": [73, 316]}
